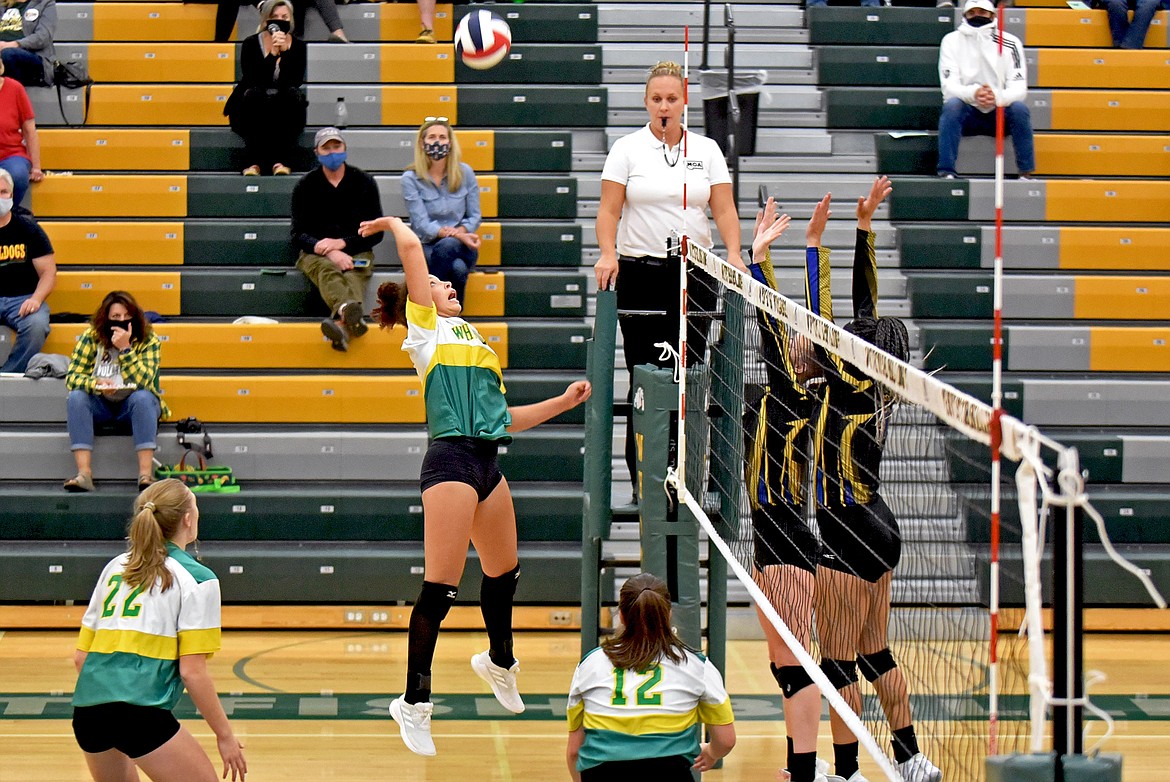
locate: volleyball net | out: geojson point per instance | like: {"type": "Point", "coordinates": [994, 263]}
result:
{"type": "Point", "coordinates": [825, 463]}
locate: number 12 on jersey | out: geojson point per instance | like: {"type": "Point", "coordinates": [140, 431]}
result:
{"type": "Point", "coordinates": [645, 693]}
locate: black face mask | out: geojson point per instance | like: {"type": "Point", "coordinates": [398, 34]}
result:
{"type": "Point", "coordinates": [980, 21]}
{"type": "Point", "coordinates": [279, 25]}
{"type": "Point", "coordinates": [117, 324]}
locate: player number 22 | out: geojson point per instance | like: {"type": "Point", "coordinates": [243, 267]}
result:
{"type": "Point", "coordinates": [645, 695]}
{"type": "Point", "coordinates": [130, 606]}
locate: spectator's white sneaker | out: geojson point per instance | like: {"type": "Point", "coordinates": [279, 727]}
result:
{"type": "Point", "coordinates": [501, 680]}
{"type": "Point", "coordinates": [919, 769]}
{"type": "Point", "coordinates": [414, 724]}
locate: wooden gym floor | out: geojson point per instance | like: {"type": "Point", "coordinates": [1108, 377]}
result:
{"type": "Point", "coordinates": [312, 705]}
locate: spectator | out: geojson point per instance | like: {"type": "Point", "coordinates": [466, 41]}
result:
{"type": "Point", "coordinates": [113, 376]}
{"type": "Point", "coordinates": [966, 68]}
{"type": "Point", "coordinates": [426, 15]}
{"type": "Point", "coordinates": [28, 274]}
{"type": "Point", "coordinates": [329, 15]}
{"type": "Point", "coordinates": [328, 204]}
{"type": "Point", "coordinates": [617, 730]}
{"type": "Point", "coordinates": [267, 108]}
{"type": "Point", "coordinates": [26, 40]}
{"type": "Point", "coordinates": [20, 147]}
{"type": "Point", "coordinates": [1127, 34]}
{"type": "Point", "coordinates": [442, 195]}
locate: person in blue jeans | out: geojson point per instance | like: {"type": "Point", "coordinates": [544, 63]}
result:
{"type": "Point", "coordinates": [442, 195]}
{"type": "Point", "coordinates": [28, 274]}
{"type": "Point", "coordinates": [27, 28]}
{"type": "Point", "coordinates": [966, 70]}
{"type": "Point", "coordinates": [113, 376]}
{"type": "Point", "coordinates": [1127, 34]}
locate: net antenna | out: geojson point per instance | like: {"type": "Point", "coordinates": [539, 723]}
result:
{"type": "Point", "coordinates": [681, 239]}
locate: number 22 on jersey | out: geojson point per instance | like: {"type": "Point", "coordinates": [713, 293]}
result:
{"type": "Point", "coordinates": [130, 606]}
{"type": "Point", "coordinates": [645, 695]}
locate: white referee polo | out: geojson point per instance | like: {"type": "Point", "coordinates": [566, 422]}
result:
{"type": "Point", "coordinates": [654, 189]}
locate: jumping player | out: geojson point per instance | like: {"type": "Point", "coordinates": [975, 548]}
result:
{"type": "Point", "coordinates": [860, 540]}
{"type": "Point", "coordinates": [465, 497]}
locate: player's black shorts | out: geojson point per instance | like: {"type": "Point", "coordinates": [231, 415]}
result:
{"type": "Point", "coordinates": [467, 460]}
{"type": "Point", "coordinates": [132, 730]}
{"type": "Point", "coordinates": [782, 538]}
{"type": "Point", "coordinates": [862, 540]}
{"type": "Point", "coordinates": [672, 769]}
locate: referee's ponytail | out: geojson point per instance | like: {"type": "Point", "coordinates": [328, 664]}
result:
{"type": "Point", "coordinates": [646, 636]}
{"type": "Point", "coordinates": [158, 512]}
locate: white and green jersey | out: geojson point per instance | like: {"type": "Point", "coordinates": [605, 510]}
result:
{"type": "Point", "coordinates": [463, 385]}
{"type": "Point", "coordinates": [632, 715]}
{"type": "Point", "coordinates": [134, 637]}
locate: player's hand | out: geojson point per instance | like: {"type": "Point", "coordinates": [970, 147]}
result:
{"type": "Point", "coordinates": [706, 761]}
{"type": "Point", "coordinates": [343, 261]}
{"type": "Point", "coordinates": [577, 393]}
{"type": "Point", "coordinates": [232, 753]}
{"type": "Point", "coordinates": [769, 227]}
{"type": "Point", "coordinates": [868, 205]}
{"type": "Point", "coordinates": [816, 223]}
{"type": "Point", "coordinates": [606, 271]}
{"type": "Point", "coordinates": [370, 227]}
{"type": "Point", "coordinates": [29, 306]}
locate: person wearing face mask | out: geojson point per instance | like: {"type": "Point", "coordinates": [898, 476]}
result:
{"type": "Point", "coordinates": [442, 195]}
{"type": "Point", "coordinates": [113, 377]}
{"type": "Point", "coordinates": [967, 71]}
{"type": "Point", "coordinates": [641, 205]}
{"type": "Point", "coordinates": [267, 108]}
{"type": "Point", "coordinates": [28, 275]}
{"type": "Point", "coordinates": [328, 205]}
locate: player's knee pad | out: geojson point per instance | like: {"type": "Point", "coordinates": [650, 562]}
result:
{"type": "Point", "coordinates": [792, 679]}
{"type": "Point", "coordinates": [502, 587]}
{"type": "Point", "coordinates": [874, 665]}
{"type": "Point", "coordinates": [435, 600]}
{"type": "Point", "coordinates": [841, 673]}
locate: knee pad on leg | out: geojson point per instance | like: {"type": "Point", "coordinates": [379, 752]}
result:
{"type": "Point", "coordinates": [792, 679]}
{"type": "Point", "coordinates": [841, 673]}
{"type": "Point", "coordinates": [503, 586]}
{"type": "Point", "coordinates": [874, 665]}
{"type": "Point", "coordinates": [435, 600]}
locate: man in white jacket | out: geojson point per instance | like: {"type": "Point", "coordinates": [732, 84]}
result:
{"type": "Point", "coordinates": [967, 70]}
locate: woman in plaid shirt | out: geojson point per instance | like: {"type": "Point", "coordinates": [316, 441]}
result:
{"type": "Point", "coordinates": [113, 376]}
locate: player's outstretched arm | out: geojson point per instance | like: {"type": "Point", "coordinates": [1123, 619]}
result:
{"type": "Point", "coordinates": [410, 253]}
{"type": "Point", "coordinates": [527, 416]}
{"type": "Point", "coordinates": [769, 227]}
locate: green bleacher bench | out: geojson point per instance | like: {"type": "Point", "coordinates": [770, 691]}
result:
{"type": "Point", "coordinates": [862, 26]}
{"type": "Point", "coordinates": [1080, 399]}
{"type": "Point", "coordinates": [930, 199]}
{"type": "Point", "coordinates": [563, 63]}
{"type": "Point", "coordinates": [533, 106]}
{"type": "Point", "coordinates": [940, 246]}
{"type": "Point", "coordinates": [543, 23]}
{"type": "Point", "coordinates": [1106, 585]}
{"type": "Point", "coordinates": [882, 107]}
{"type": "Point", "coordinates": [877, 66]}
{"type": "Point", "coordinates": [281, 513]}
{"type": "Point", "coordinates": [293, 572]}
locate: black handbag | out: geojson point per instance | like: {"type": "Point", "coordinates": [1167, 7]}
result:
{"type": "Point", "coordinates": [71, 76]}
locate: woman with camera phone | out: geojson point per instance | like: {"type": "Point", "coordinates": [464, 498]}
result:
{"type": "Point", "coordinates": [113, 377]}
{"type": "Point", "coordinates": [267, 109]}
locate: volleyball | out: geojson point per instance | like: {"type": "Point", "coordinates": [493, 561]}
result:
{"type": "Point", "coordinates": [482, 40]}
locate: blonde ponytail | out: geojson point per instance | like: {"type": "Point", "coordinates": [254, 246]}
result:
{"type": "Point", "coordinates": [158, 512]}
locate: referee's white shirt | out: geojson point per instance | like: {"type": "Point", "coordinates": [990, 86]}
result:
{"type": "Point", "coordinates": [654, 189]}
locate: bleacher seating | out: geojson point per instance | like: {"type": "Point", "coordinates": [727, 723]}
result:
{"type": "Point", "coordinates": [146, 196]}
{"type": "Point", "coordinates": [1084, 247]}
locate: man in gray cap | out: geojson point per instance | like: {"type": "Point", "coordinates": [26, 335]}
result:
{"type": "Point", "coordinates": [328, 205]}
{"type": "Point", "coordinates": [967, 70]}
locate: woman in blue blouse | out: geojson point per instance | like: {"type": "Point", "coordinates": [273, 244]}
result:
{"type": "Point", "coordinates": [442, 195]}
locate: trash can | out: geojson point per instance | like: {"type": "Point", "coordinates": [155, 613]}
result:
{"type": "Point", "coordinates": [715, 111]}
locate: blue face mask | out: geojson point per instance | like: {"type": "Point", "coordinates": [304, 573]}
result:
{"type": "Point", "coordinates": [332, 161]}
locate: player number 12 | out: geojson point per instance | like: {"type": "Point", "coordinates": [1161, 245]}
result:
{"type": "Point", "coordinates": [645, 695]}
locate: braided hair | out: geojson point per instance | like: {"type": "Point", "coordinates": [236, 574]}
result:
{"type": "Point", "coordinates": [888, 335]}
